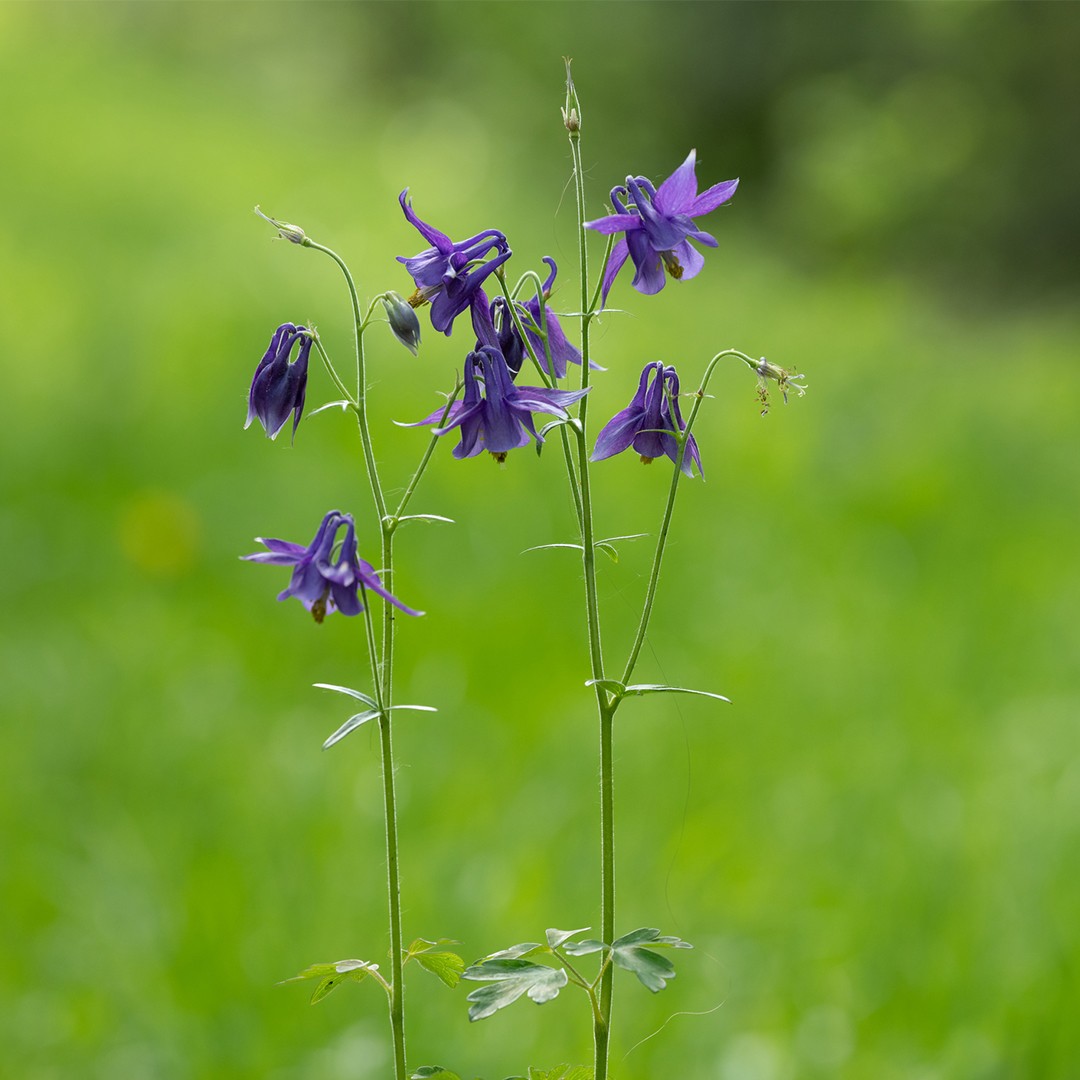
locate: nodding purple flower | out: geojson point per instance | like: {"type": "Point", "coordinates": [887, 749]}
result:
{"type": "Point", "coordinates": [327, 574]}
{"type": "Point", "coordinates": [278, 387]}
{"type": "Point", "coordinates": [650, 422]}
{"type": "Point", "coordinates": [658, 226]}
{"type": "Point", "coordinates": [558, 351]}
{"type": "Point", "coordinates": [449, 274]}
{"type": "Point", "coordinates": [500, 419]}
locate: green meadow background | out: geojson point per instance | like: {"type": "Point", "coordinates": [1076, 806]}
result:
{"type": "Point", "coordinates": [876, 849]}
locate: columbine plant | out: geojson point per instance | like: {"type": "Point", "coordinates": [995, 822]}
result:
{"type": "Point", "coordinates": [656, 229]}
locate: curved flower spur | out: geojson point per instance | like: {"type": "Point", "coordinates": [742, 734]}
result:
{"type": "Point", "coordinates": [658, 226]}
{"type": "Point", "coordinates": [448, 274]}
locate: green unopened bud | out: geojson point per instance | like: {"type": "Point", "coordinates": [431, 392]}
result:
{"type": "Point", "coordinates": [571, 111]}
{"type": "Point", "coordinates": [292, 233]}
{"type": "Point", "coordinates": [403, 321]}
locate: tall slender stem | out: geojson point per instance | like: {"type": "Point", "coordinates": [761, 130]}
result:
{"type": "Point", "coordinates": [604, 706]}
{"type": "Point", "coordinates": [383, 676]}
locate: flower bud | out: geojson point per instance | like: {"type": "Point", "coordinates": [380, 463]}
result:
{"type": "Point", "coordinates": [403, 321]}
{"type": "Point", "coordinates": [292, 233]}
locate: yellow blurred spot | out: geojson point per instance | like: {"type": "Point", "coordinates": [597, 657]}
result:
{"type": "Point", "coordinates": [159, 533]}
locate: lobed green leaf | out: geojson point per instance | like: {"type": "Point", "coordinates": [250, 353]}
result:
{"type": "Point", "coordinates": [555, 938]}
{"type": "Point", "coordinates": [652, 969]}
{"type": "Point", "coordinates": [434, 1072]}
{"type": "Point", "coordinates": [331, 976]}
{"type": "Point", "coordinates": [507, 980]}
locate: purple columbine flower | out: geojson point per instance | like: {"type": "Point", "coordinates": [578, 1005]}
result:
{"type": "Point", "coordinates": [327, 574]}
{"type": "Point", "coordinates": [500, 419]}
{"type": "Point", "coordinates": [558, 352]}
{"type": "Point", "coordinates": [449, 274]}
{"type": "Point", "coordinates": [659, 226]}
{"type": "Point", "coordinates": [650, 422]}
{"type": "Point", "coordinates": [278, 386]}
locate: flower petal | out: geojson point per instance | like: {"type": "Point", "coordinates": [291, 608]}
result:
{"type": "Point", "coordinates": [679, 190]}
{"type": "Point", "coordinates": [649, 278]}
{"type": "Point", "coordinates": [615, 264]}
{"type": "Point", "coordinates": [615, 223]}
{"type": "Point", "coordinates": [712, 198]}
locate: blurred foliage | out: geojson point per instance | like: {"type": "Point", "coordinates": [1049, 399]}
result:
{"type": "Point", "coordinates": [872, 850]}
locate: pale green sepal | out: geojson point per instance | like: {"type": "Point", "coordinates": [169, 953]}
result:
{"type": "Point", "coordinates": [507, 980]}
{"type": "Point", "coordinates": [555, 938]}
{"type": "Point", "coordinates": [652, 969]}
{"type": "Point", "coordinates": [434, 1072]}
{"type": "Point", "coordinates": [349, 726]}
{"type": "Point", "coordinates": [369, 701]}
{"type": "Point", "coordinates": [653, 688]}
{"type": "Point", "coordinates": [445, 965]}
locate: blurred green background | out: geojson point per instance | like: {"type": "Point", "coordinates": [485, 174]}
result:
{"type": "Point", "coordinates": [875, 850]}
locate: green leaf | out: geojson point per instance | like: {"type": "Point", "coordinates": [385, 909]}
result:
{"type": "Point", "coordinates": [507, 980]}
{"type": "Point", "coordinates": [555, 938]}
{"type": "Point", "coordinates": [652, 969]}
{"type": "Point", "coordinates": [349, 726]}
{"type": "Point", "coordinates": [425, 517]}
{"type": "Point", "coordinates": [607, 545]}
{"type": "Point", "coordinates": [654, 688]}
{"type": "Point", "coordinates": [583, 948]}
{"type": "Point", "coordinates": [612, 686]}
{"type": "Point", "coordinates": [415, 708]}
{"type": "Point", "coordinates": [331, 976]}
{"type": "Point", "coordinates": [434, 1072]}
{"type": "Point", "coordinates": [629, 536]}
{"type": "Point", "coordinates": [516, 952]}
{"type": "Point", "coordinates": [370, 702]}
{"type": "Point", "coordinates": [545, 547]}
{"type": "Point", "coordinates": [342, 405]}
{"type": "Point", "coordinates": [446, 965]}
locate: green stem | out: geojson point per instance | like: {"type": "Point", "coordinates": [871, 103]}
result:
{"type": "Point", "coordinates": [661, 540]}
{"type": "Point", "coordinates": [382, 675]}
{"type": "Point", "coordinates": [605, 709]}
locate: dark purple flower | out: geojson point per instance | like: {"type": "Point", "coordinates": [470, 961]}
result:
{"type": "Point", "coordinates": [500, 419]}
{"type": "Point", "coordinates": [449, 274]}
{"type": "Point", "coordinates": [278, 386]}
{"type": "Point", "coordinates": [659, 226]}
{"type": "Point", "coordinates": [326, 574]}
{"type": "Point", "coordinates": [558, 352]}
{"type": "Point", "coordinates": [650, 422]}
